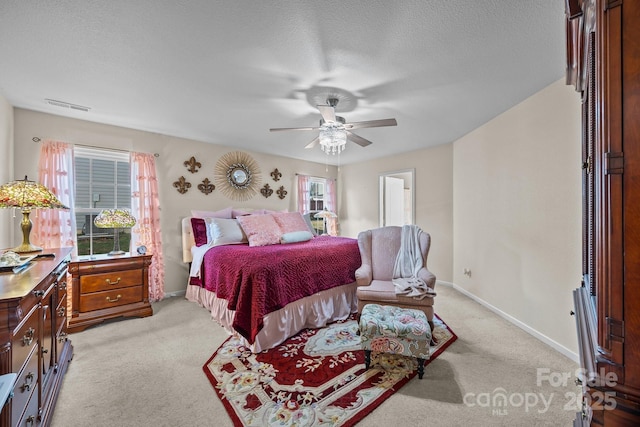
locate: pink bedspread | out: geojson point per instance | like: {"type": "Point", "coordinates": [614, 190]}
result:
{"type": "Point", "coordinates": [260, 279]}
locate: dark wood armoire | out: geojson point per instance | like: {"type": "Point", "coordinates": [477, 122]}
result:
{"type": "Point", "coordinates": [603, 63]}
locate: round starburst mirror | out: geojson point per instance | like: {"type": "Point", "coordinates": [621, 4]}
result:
{"type": "Point", "coordinates": [237, 175]}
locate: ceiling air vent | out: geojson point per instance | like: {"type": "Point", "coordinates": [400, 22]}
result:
{"type": "Point", "coordinates": [63, 104]}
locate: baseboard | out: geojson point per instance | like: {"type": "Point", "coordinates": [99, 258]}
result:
{"type": "Point", "coordinates": [545, 339]}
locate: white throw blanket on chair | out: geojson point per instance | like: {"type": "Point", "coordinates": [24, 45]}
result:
{"type": "Point", "coordinates": [408, 264]}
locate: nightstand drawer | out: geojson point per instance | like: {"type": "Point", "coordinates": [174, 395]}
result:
{"type": "Point", "coordinates": [105, 287]}
{"type": "Point", "coordinates": [112, 298]}
{"type": "Point", "coordinates": [109, 281]}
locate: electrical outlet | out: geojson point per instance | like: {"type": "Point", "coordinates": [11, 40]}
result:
{"type": "Point", "coordinates": [467, 272]}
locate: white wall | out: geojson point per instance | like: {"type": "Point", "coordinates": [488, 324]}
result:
{"type": "Point", "coordinates": [6, 169]}
{"type": "Point", "coordinates": [517, 212]}
{"type": "Point", "coordinates": [173, 152]}
{"type": "Point", "coordinates": [359, 199]}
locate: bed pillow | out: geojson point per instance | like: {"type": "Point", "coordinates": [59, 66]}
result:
{"type": "Point", "coordinates": [235, 213]}
{"type": "Point", "coordinates": [226, 231]}
{"type": "Point", "coordinates": [223, 213]}
{"type": "Point", "coordinates": [199, 228]}
{"type": "Point", "coordinates": [296, 236]}
{"type": "Point", "coordinates": [261, 230]}
{"type": "Point", "coordinates": [290, 222]}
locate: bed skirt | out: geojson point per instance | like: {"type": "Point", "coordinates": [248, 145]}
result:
{"type": "Point", "coordinates": [314, 311]}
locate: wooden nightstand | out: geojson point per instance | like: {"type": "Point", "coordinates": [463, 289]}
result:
{"type": "Point", "coordinates": [105, 287]}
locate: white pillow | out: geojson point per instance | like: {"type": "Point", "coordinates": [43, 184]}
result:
{"type": "Point", "coordinates": [296, 236]}
{"type": "Point", "coordinates": [225, 232]}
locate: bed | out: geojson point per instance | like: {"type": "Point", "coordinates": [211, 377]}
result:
{"type": "Point", "coordinates": [265, 294]}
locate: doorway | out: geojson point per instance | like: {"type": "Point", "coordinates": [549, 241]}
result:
{"type": "Point", "coordinates": [397, 198]}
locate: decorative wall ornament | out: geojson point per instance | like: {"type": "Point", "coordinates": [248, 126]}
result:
{"type": "Point", "coordinates": [237, 175]}
{"type": "Point", "coordinates": [282, 193]}
{"type": "Point", "coordinates": [276, 175]}
{"type": "Point", "coordinates": [182, 185]}
{"type": "Point", "coordinates": [266, 190]}
{"type": "Point", "coordinates": [192, 165]}
{"type": "Point", "coordinates": [206, 187]}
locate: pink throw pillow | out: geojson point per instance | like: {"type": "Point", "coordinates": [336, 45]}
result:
{"type": "Point", "coordinates": [290, 222]}
{"type": "Point", "coordinates": [261, 230]}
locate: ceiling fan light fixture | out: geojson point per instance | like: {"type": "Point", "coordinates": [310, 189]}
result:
{"type": "Point", "coordinates": [333, 137]}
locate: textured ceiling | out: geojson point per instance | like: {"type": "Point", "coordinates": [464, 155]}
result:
{"type": "Point", "coordinates": [224, 72]}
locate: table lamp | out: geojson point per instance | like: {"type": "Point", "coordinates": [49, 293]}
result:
{"type": "Point", "coordinates": [27, 195]}
{"type": "Point", "coordinates": [116, 219]}
{"type": "Point", "coordinates": [324, 215]}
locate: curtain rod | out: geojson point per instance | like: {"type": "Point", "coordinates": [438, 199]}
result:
{"type": "Point", "coordinates": [36, 140]}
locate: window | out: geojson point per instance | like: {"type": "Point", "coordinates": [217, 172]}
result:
{"type": "Point", "coordinates": [102, 181]}
{"type": "Point", "coordinates": [317, 202]}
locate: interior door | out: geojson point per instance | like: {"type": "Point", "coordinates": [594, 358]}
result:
{"type": "Point", "coordinates": [394, 201]}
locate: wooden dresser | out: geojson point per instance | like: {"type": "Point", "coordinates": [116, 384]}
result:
{"type": "Point", "coordinates": [603, 53]}
{"type": "Point", "coordinates": [34, 339]}
{"type": "Point", "coordinates": [106, 287]}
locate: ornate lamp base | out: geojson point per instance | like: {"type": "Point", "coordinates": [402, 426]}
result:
{"type": "Point", "coordinates": [25, 248]}
{"type": "Point", "coordinates": [26, 245]}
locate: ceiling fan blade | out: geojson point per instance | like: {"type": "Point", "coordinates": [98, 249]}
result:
{"type": "Point", "coordinates": [313, 143]}
{"type": "Point", "coordinates": [281, 129]}
{"type": "Point", "coordinates": [328, 113]}
{"type": "Point", "coordinates": [371, 124]}
{"type": "Point", "coordinates": [358, 139]}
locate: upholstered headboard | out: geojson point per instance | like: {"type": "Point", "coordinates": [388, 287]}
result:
{"type": "Point", "coordinates": [187, 239]}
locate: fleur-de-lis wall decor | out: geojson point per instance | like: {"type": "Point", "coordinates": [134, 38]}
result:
{"type": "Point", "coordinates": [276, 175]}
{"type": "Point", "coordinates": [192, 165]}
{"type": "Point", "coordinates": [206, 187]}
{"type": "Point", "coordinates": [282, 193]}
{"type": "Point", "coordinates": [266, 190]}
{"type": "Point", "coordinates": [182, 185]}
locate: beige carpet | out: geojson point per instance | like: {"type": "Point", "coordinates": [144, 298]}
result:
{"type": "Point", "coordinates": [148, 372]}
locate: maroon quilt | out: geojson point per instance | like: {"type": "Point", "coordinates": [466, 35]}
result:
{"type": "Point", "coordinates": [260, 279]}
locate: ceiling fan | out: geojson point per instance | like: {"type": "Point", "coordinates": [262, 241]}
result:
{"type": "Point", "coordinates": [334, 131]}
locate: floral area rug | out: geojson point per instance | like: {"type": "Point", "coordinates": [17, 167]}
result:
{"type": "Point", "coordinates": [315, 378]}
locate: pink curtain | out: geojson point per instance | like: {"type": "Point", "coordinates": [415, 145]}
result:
{"type": "Point", "coordinates": [55, 228]}
{"type": "Point", "coordinates": [303, 193]}
{"type": "Point", "coordinates": [145, 208]}
{"type": "Point", "coordinates": [331, 200]}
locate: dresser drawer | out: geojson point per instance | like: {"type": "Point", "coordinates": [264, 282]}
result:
{"type": "Point", "coordinates": [109, 281]}
{"type": "Point", "coordinates": [25, 338]}
{"type": "Point", "coordinates": [30, 416]}
{"type": "Point", "coordinates": [26, 384]}
{"type": "Point", "coordinates": [112, 298]}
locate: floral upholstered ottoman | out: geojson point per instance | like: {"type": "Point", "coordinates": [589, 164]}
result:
{"type": "Point", "coordinates": [395, 330]}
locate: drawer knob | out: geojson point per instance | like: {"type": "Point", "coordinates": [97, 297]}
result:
{"type": "Point", "coordinates": [27, 338]}
{"type": "Point", "coordinates": [114, 300]}
{"type": "Point", "coordinates": [61, 311]}
{"type": "Point", "coordinates": [30, 421]}
{"type": "Point", "coordinates": [28, 380]}
{"type": "Point", "coordinates": [109, 282]}
{"type": "Point", "coordinates": [38, 293]}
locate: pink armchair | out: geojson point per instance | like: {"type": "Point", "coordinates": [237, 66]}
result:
{"type": "Point", "coordinates": [378, 249]}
